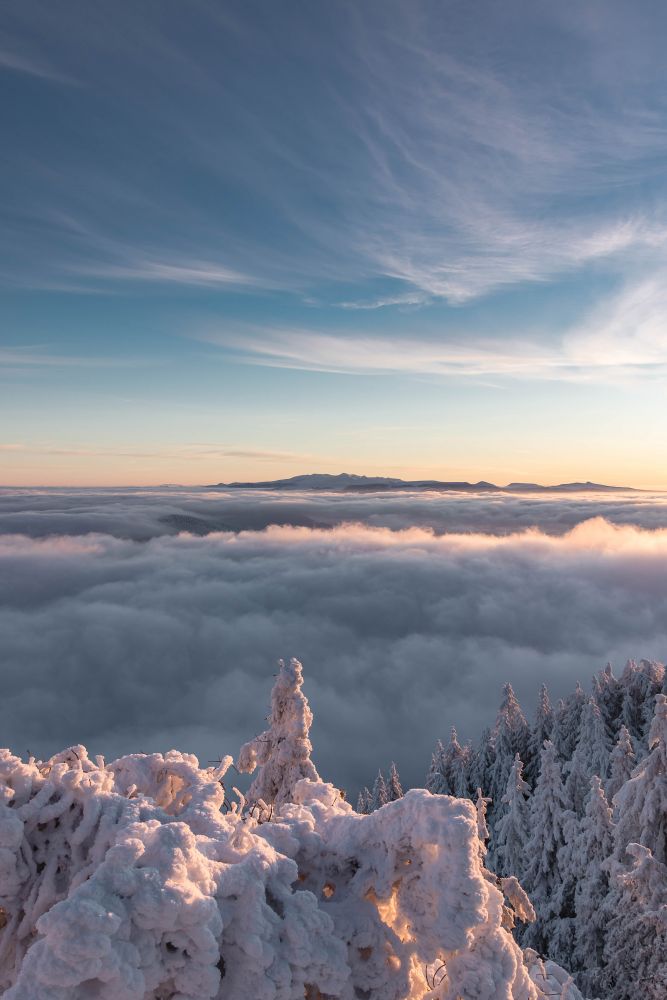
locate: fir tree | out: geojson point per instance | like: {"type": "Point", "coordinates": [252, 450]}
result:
{"type": "Point", "coordinates": [380, 795]}
{"type": "Point", "coordinates": [513, 827]}
{"type": "Point", "coordinates": [436, 779]}
{"type": "Point", "coordinates": [457, 764]}
{"type": "Point", "coordinates": [544, 877]}
{"type": "Point", "coordinates": [481, 764]}
{"type": "Point", "coordinates": [593, 845]}
{"type": "Point", "coordinates": [283, 750]}
{"type": "Point", "coordinates": [394, 789]}
{"type": "Point", "coordinates": [542, 730]}
{"type": "Point", "coordinates": [512, 736]}
{"type": "Point", "coordinates": [608, 693]}
{"type": "Point", "coordinates": [637, 902]}
{"type": "Point", "coordinates": [568, 723]}
{"type": "Point", "coordinates": [641, 803]}
{"type": "Point", "coordinates": [621, 763]}
{"type": "Point", "coordinates": [591, 756]}
{"type": "Point", "coordinates": [635, 952]}
{"type": "Point", "coordinates": [364, 801]}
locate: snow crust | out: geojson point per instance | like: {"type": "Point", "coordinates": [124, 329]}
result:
{"type": "Point", "coordinates": [140, 880]}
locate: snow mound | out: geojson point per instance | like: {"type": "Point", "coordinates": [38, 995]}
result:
{"type": "Point", "coordinates": [139, 880]}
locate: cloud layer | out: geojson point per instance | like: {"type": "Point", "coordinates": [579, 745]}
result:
{"type": "Point", "coordinates": [129, 645]}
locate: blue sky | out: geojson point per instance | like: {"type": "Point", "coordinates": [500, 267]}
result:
{"type": "Point", "coordinates": [244, 240]}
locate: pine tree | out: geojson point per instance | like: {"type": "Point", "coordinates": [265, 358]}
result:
{"type": "Point", "coordinates": [543, 879]}
{"type": "Point", "coordinates": [568, 722]}
{"type": "Point", "coordinates": [457, 764]}
{"type": "Point", "coordinates": [283, 750]}
{"type": "Point", "coordinates": [641, 803]}
{"type": "Point", "coordinates": [481, 763]}
{"type": "Point", "coordinates": [608, 693]}
{"type": "Point", "coordinates": [512, 736]}
{"type": "Point", "coordinates": [436, 779]}
{"type": "Point", "coordinates": [513, 827]}
{"type": "Point", "coordinates": [542, 730]}
{"type": "Point", "coordinates": [593, 845]}
{"type": "Point", "coordinates": [621, 763]}
{"type": "Point", "coordinates": [380, 795]}
{"type": "Point", "coordinates": [591, 756]}
{"type": "Point", "coordinates": [635, 952]}
{"type": "Point", "coordinates": [394, 789]}
{"type": "Point", "coordinates": [636, 905]}
{"type": "Point", "coordinates": [364, 801]}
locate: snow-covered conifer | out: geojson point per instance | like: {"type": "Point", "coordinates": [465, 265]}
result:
{"type": "Point", "coordinates": [380, 794]}
{"type": "Point", "coordinates": [481, 763]}
{"type": "Point", "coordinates": [512, 736]}
{"type": "Point", "coordinates": [394, 788]}
{"type": "Point", "coordinates": [541, 731]}
{"type": "Point", "coordinates": [593, 845]}
{"type": "Point", "coordinates": [608, 693]}
{"type": "Point", "coordinates": [621, 763]}
{"type": "Point", "coordinates": [635, 951]}
{"type": "Point", "coordinates": [544, 877]}
{"type": "Point", "coordinates": [283, 750]}
{"type": "Point", "coordinates": [641, 803]}
{"type": "Point", "coordinates": [591, 756]}
{"type": "Point", "coordinates": [567, 723]}
{"type": "Point", "coordinates": [436, 779]}
{"type": "Point", "coordinates": [513, 828]}
{"type": "Point", "coordinates": [364, 801]}
{"type": "Point", "coordinates": [457, 765]}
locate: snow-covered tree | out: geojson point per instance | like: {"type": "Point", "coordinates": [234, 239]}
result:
{"type": "Point", "coordinates": [513, 828]}
{"type": "Point", "coordinates": [394, 788]}
{"type": "Point", "coordinates": [593, 846]}
{"type": "Point", "coordinates": [364, 801]}
{"type": "Point", "coordinates": [511, 736]}
{"type": "Point", "coordinates": [636, 941]}
{"type": "Point", "coordinates": [635, 952]}
{"type": "Point", "coordinates": [283, 751]}
{"type": "Point", "coordinates": [481, 764]}
{"type": "Point", "coordinates": [139, 880]}
{"type": "Point", "coordinates": [457, 767]}
{"type": "Point", "coordinates": [608, 694]}
{"type": "Point", "coordinates": [544, 876]}
{"type": "Point", "coordinates": [641, 803]}
{"type": "Point", "coordinates": [380, 794]}
{"type": "Point", "coordinates": [641, 683]}
{"type": "Point", "coordinates": [591, 755]}
{"type": "Point", "coordinates": [541, 731]}
{"type": "Point", "coordinates": [621, 763]}
{"type": "Point", "coordinates": [436, 780]}
{"type": "Point", "coordinates": [568, 723]}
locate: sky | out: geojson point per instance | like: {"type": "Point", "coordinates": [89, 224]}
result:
{"type": "Point", "coordinates": [251, 240]}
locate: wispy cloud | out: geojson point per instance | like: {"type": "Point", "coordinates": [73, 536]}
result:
{"type": "Point", "coordinates": [624, 340]}
{"type": "Point", "coordinates": [179, 272]}
{"type": "Point", "coordinates": [20, 63]}
{"type": "Point", "coordinates": [35, 356]}
{"type": "Point", "coordinates": [188, 451]}
{"type": "Point", "coordinates": [456, 159]}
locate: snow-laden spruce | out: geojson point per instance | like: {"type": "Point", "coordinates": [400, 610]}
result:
{"type": "Point", "coordinates": [582, 822]}
{"type": "Point", "coordinates": [138, 880]}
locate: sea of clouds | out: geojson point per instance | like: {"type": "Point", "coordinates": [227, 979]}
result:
{"type": "Point", "coordinates": [138, 620]}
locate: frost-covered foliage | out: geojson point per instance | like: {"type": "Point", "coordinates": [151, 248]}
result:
{"type": "Point", "coordinates": [583, 826]}
{"type": "Point", "coordinates": [513, 827]}
{"type": "Point", "coordinates": [139, 880]}
{"type": "Point", "coordinates": [283, 750]}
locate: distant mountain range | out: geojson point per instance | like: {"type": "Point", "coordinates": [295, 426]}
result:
{"type": "Point", "coordinates": [346, 483]}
